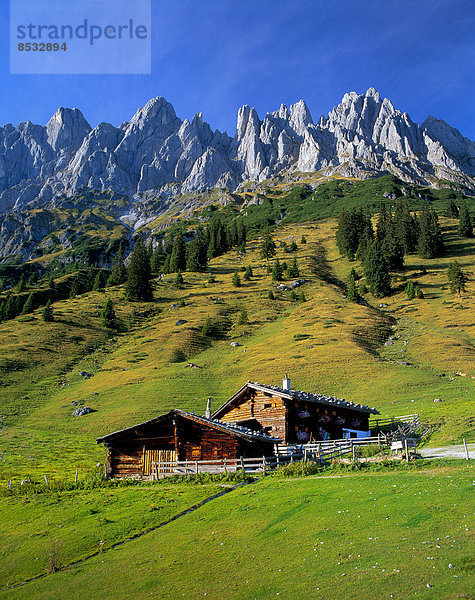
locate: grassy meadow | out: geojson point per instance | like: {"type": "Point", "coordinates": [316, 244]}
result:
{"type": "Point", "coordinates": [356, 536]}
{"type": "Point", "coordinates": [325, 344]}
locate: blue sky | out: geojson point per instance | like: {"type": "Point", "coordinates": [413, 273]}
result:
{"type": "Point", "coordinates": [212, 56]}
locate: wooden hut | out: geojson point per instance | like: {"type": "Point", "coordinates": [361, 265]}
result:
{"type": "Point", "coordinates": [294, 416]}
{"type": "Point", "coordinates": [179, 435]}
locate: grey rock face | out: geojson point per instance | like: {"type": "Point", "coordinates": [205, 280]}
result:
{"type": "Point", "coordinates": [157, 154]}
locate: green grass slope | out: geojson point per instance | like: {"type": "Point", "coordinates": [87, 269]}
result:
{"type": "Point", "coordinates": [359, 537]}
{"type": "Point", "coordinates": [325, 344]}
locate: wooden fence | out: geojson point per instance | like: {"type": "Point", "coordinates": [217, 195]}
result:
{"type": "Point", "coordinates": [317, 452]}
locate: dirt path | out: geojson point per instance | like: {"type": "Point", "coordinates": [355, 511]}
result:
{"type": "Point", "coordinates": [448, 452]}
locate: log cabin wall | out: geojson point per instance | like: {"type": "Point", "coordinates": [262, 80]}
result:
{"type": "Point", "coordinates": [311, 421]}
{"type": "Point", "coordinates": [198, 442]}
{"type": "Point", "coordinates": [266, 410]}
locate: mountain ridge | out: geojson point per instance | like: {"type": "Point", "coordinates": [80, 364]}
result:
{"type": "Point", "coordinates": [158, 155]}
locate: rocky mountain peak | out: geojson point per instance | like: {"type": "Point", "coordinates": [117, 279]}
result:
{"type": "Point", "coordinates": [67, 128]}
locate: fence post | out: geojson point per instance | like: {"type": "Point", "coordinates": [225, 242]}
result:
{"type": "Point", "coordinates": [196, 466]}
{"type": "Point", "coordinates": [264, 465]}
{"type": "Point", "coordinates": [305, 454]}
{"type": "Point", "coordinates": [225, 466]}
{"type": "Point", "coordinates": [379, 439]}
{"type": "Point", "coordinates": [46, 479]}
{"type": "Point", "coordinates": [242, 464]}
{"type": "Point", "coordinates": [353, 450]}
{"type": "Point", "coordinates": [9, 484]}
{"type": "Point", "coordinates": [407, 449]}
{"type": "Point", "coordinates": [76, 478]}
{"type": "Point", "coordinates": [466, 449]}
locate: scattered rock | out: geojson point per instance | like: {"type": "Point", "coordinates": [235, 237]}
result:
{"type": "Point", "coordinates": [389, 343]}
{"type": "Point", "coordinates": [180, 322]}
{"type": "Point", "coordinates": [85, 374]}
{"type": "Point", "coordinates": [173, 306]}
{"type": "Point", "coordinates": [383, 306]}
{"type": "Point", "coordinates": [81, 411]}
{"type": "Point", "coordinates": [235, 344]}
{"type": "Point", "coordinates": [437, 399]}
{"type": "Point", "coordinates": [192, 365]}
{"type": "Point", "coordinates": [296, 283]}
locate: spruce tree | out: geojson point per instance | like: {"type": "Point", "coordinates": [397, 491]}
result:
{"type": "Point", "coordinates": [178, 281]}
{"type": "Point", "coordinates": [293, 270]}
{"type": "Point", "coordinates": [108, 314]}
{"type": "Point", "coordinates": [267, 247]}
{"type": "Point", "coordinates": [270, 295]}
{"type": "Point", "coordinates": [452, 210]}
{"type": "Point", "coordinates": [456, 278]}
{"type": "Point", "coordinates": [29, 306]}
{"type": "Point", "coordinates": [236, 279]}
{"type": "Point", "coordinates": [76, 287]}
{"type": "Point", "coordinates": [303, 239]}
{"type": "Point", "coordinates": [248, 273]}
{"type": "Point", "coordinates": [138, 286]}
{"type": "Point", "coordinates": [352, 289]}
{"type": "Point", "coordinates": [376, 271]}
{"type": "Point", "coordinates": [21, 284]}
{"type": "Point", "coordinates": [97, 286]}
{"type": "Point", "coordinates": [430, 244]}
{"type": "Point", "coordinates": [302, 296]}
{"type": "Point", "coordinates": [292, 295]}
{"type": "Point", "coordinates": [277, 271]}
{"type": "Point", "coordinates": [418, 292]}
{"type": "Point", "coordinates": [51, 283]}
{"type": "Point", "coordinates": [243, 319]}
{"type": "Point", "coordinates": [410, 290]}
{"type": "Point", "coordinates": [47, 313]}
{"type": "Point", "coordinates": [178, 254]}
{"type": "Point", "coordinates": [465, 228]}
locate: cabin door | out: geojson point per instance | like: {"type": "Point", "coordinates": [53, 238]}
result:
{"type": "Point", "coordinates": [157, 456]}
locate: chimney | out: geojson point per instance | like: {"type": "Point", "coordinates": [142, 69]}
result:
{"type": "Point", "coordinates": [208, 408]}
{"type": "Point", "coordinates": [286, 383]}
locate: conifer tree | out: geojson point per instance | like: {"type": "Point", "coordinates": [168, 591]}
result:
{"type": "Point", "coordinates": [352, 291]}
{"type": "Point", "coordinates": [302, 296]}
{"type": "Point", "coordinates": [270, 295]}
{"type": "Point", "coordinates": [29, 306]}
{"type": "Point", "coordinates": [452, 210]}
{"type": "Point", "coordinates": [236, 279]}
{"type": "Point", "coordinates": [10, 307]}
{"type": "Point", "coordinates": [303, 239]}
{"type": "Point", "coordinates": [417, 291]}
{"type": "Point", "coordinates": [33, 279]}
{"type": "Point", "coordinates": [178, 281]}
{"type": "Point", "coordinates": [376, 271]}
{"type": "Point", "coordinates": [108, 314]}
{"type": "Point", "coordinates": [248, 273]}
{"type": "Point", "coordinates": [51, 283]}
{"type": "Point", "coordinates": [277, 271]}
{"type": "Point", "coordinates": [293, 270]}
{"type": "Point", "coordinates": [197, 253]}
{"type": "Point", "coordinates": [410, 290]}
{"type": "Point", "coordinates": [465, 228]}
{"type": "Point", "coordinates": [138, 286]}
{"type": "Point", "coordinates": [21, 284]}
{"type": "Point", "coordinates": [292, 295]}
{"type": "Point", "coordinates": [430, 244]}
{"type": "Point", "coordinates": [47, 313]}
{"type": "Point", "coordinates": [76, 287]}
{"type": "Point", "coordinates": [268, 246]}
{"type": "Point", "coordinates": [97, 286]}
{"type": "Point", "coordinates": [178, 254]}
{"type": "Point", "coordinates": [456, 278]}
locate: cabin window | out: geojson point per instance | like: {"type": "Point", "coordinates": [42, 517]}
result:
{"type": "Point", "coordinates": [196, 453]}
{"type": "Point", "coordinates": [333, 413]}
{"type": "Point", "coordinates": [267, 395]}
{"type": "Point", "coordinates": [267, 405]}
{"type": "Point", "coordinates": [296, 428]}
